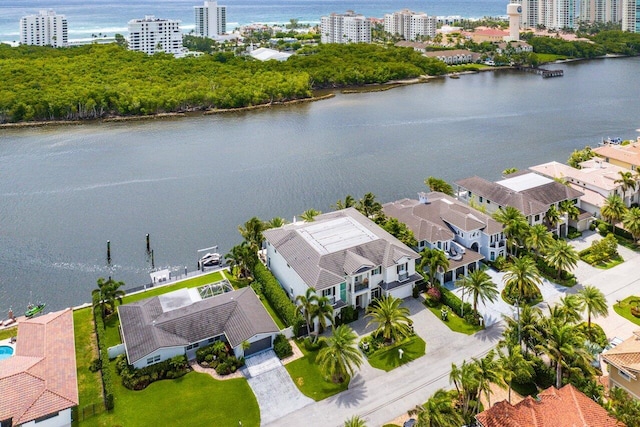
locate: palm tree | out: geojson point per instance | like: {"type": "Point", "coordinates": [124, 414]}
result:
{"type": "Point", "coordinates": [594, 301]}
{"type": "Point", "coordinates": [627, 182]}
{"type": "Point", "coordinates": [489, 371]}
{"type": "Point", "coordinates": [509, 171]}
{"type": "Point", "coordinates": [391, 320]}
{"type": "Point", "coordinates": [241, 259]}
{"type": "Point", "coordinates": [522, 276]}
{"type": "Point", "coordinates": [107, 294]}
{"type": "Point", "coordinates": [613, 210]}
{"type": "Point", "coordinates": [552, 216]}
{"type": "Point", "coordinates": [355, 421]}
{"type": "Point", "coordinates": [562, 343]}
{"type": "Point", "coordinates": [562, 256]}
{"type": "Point", "coordinates": [251, 232]}
{"type": "Point", "coordinates": [438, 411]}
{"type": "Point", "coordinates": [310, 215]}
{"type": "Point", "coordinates": [570, 208]}
{"type": "Point", "coordinates": [513, 366]}
{"type": "Point", "coordinates": [369, 206]}
{"type": "Point", "coordinates": [514, 223]}
{"type": "Point", "coordinates": [341, 356]}
{"type": "Point", "coordinates": [436, 260]}
{"type": "Point", "coordinates": [307, 306]}
{"type": "Point", "coordinates": [276, 222]}
{"type": "Point", "coordinates": [538, 238]}
{"type": "Point", "coordinates": [631, 221]}
{"type": "Point", "coordinates": [349, 202]}
{"type": "Point", "coordinates": [440, 185]}
{"type": "Point", "coordinates": [324, 312]}
{"type": "Point", "coordinates": [465, 379]}
{"type": "Point", "coordinates": [481, 287]}
{"type": "Point", "coordinates": [569, 309]}
{"type": "Point", "coordinates": [523, 330]}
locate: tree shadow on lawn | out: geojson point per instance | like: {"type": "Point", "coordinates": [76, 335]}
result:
{"type": "Point", "coordinates": [354, 395]}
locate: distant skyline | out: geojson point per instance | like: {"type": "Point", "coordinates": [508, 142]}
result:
{"type": "Point", "coordinates": [87, 17]}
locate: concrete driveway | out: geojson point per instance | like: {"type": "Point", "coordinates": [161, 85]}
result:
{"type": "Point", "coordinates": [276, 393]}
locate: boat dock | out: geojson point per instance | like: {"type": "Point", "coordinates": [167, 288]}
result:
{"type": "Point", "coordinates": [542, 71]}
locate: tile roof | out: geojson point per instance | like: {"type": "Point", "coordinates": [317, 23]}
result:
{"type": "Point", "coordinates": [566, 407]}
{"type": "Point", "coordinates": [238, 314]}
{"type": "Point", "coordinates": [322, 265]}
{"type": "Point", "coordinates": [624, 153]}
{"type": "Point", "coordinates": [626, 355]}
{"type": "Point", "coordinates": [594, 172]}
{"type": "Point", "coordinates": [40, 379]}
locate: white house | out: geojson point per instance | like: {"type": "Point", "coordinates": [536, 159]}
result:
{"type": "Point", "coordinates": [179, 322]}
{"type": "Point", "coordinates": [38, 384]}
{"type": "Point", "coordinates": [439, 221]}
{"type": "Point", "coordinates": [342, 255]}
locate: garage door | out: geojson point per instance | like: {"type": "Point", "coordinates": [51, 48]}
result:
{"type": "Point", "coordinates": [258, 346]}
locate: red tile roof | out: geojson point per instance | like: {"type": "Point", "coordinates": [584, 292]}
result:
{"type": "Point", "coordinates": [40, 379]}
{"type": "Point", "coordinates": [567, 407]}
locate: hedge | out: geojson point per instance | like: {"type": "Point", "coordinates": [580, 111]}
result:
{"type": "Point", "coordinates": [107, 382]}
{"type": "Point", "coordinates": [268, 286]}
{"type": "Point", "coordinates": [451, 300]}
{"type": "Point", "coordinates": [282, 347]}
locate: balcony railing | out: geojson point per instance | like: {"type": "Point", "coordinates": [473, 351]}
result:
{"type": "Point", "coordinates": [403, 276]}
{"type": "Point", "coordinates": [361, 287]}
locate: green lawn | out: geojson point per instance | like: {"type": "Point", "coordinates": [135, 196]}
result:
{"type": "Point", "coordinates": [89, 383]}
{"type": "Point", "coordinates": [189, 283]}
{"type": "Point", "coordinates": [549, 57]}
{"type": "Point", "coordinates": [273, 313]}
{"type": "Point", "coordinates": [455, 322]}
{"type": "Point", "coordinates": [195, 399]}
{"type": "Point", "coordinates": [389, 358]}
{"type": "Point", "coordinates": [307, 377]}
{"type": "Point", "coordinates": [623, 308]}
{"type": "Point", "coordinates": [8, 333]}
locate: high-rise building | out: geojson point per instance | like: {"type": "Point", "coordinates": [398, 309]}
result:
{"type": "Point", "coordinates": [631, 16]}
{"type": "Point", "coordinates": [44, 29]}
{"type": "Point", "coordinates": [552, 14]}
{"type": "Point", "coordinates": [410, 25]}
{"type": "Point", "coordinates": [151, 35]}
{"type": "Point", "coordinates": [211, 19]}
{"type": "Point", "coordinates": [347, 28]}
{"type": "Point", "coordinates": [600, 11]}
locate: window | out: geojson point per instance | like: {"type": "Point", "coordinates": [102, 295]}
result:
{"type": "Point", "coordinates": [480, 199]}
{"type": "Point", "coordinates": [153, 359]}
{"type": "Point", "coordinates": [624, 375]}
{"type": "Point", "coordinates": [537, 218]}
{"type": "Point", "coordinates": [41, 419]}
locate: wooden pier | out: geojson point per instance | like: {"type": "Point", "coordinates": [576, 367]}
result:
{"type": "Point", "coordinates": [543, 72]}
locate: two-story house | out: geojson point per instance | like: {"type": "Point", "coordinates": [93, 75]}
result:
{"type": "Point", "coordinates": [624, 365]}
{"type": "Point", "coordinates": [465, 235]}
{"type": "Point", "coordinates": [530, 193]}
{"type": "Point", "coordinates": [344, 256]}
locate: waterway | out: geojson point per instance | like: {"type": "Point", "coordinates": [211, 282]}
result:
{"type": "Point", "coordinates": [189, 183]}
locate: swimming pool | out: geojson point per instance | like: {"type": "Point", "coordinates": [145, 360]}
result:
{"type": "Point", "coordinates": [5, 351]}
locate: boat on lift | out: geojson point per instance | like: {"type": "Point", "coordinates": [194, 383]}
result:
{"type": "Point", "coordinates": [210, 259]}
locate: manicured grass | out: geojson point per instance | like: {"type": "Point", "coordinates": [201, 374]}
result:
{"type": "Point", "coordinates": [389, 358]}
{"type": "Point", "coordinates": [307, 377]}
{"type": "Point", "coordinates": [112, 330]}
{"type": "Point", "coordinates": [273, 313]}
{"type": "Point", "coordinates": [623, 308]}
{"type": "Point", "coordinates": [455, 322]}
{"type": "Point", "coordinates": [189, 283]}
{"type": "Point", "coordinates": [194, 399]}
{"type": "Point", "coordinates": [89, 383]}
{"type": "Point", "coordinates": [8, 333]}
{"type": "Point", "coordinates": [604, 265]}
{"type": "Point", "coordinates": [549, 57]}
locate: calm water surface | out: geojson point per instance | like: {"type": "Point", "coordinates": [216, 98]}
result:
{"type": "Point", "coordinates": [190, 182]}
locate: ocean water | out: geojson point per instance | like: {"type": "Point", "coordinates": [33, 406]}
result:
{"type": "Point", "coordinates": [87, 17]}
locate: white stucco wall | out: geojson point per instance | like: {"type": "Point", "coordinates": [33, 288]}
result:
{"type": "Point", "coordinates": [62, 420]}
{"type": "Point", "coordinates": [286, 275]}
{"type": "Point", "coordinates": [164, 353]}
{"type": "Point", "coordinates": [238, 350]}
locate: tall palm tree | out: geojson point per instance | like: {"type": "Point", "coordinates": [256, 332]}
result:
{"type": "Point", "coordinates": [489, 372]}
{"type": "Point", "coordinates": [538, 238]}
{"type": "Point", "coordinates": [341, 357]}
{"type": "Point", "coordinates": [369, 206]}
{"type": "Point", "coordinates": [324, 312]}
{"type": "Point", "coordinates": [613, 210]}
{"type": "Point", "coordinates": [241, 259]}
{"type": "Point", "coordinates": [251, 232]}
{"type": "Point", "coordinates": [631, 221]}
{"type": "Point", "coordinates": [562, 256]}
{"type": "Point", "coordinates": [627, 182]}
{"type": "Point", "coordinates": [523, 277]}
{"type": "Point", "coordinates": [479, 284]}
{"type": "Point", "coordinates": [355, 421]}
{"type": "Point", "coordinates": [569, 309]}
{"type": "Point", "coordinates": [438, 411]}
{"type": "Point", "coordinates": [594, 301]}
{"type": "Point", "coordinates": [562, 342]}
{"type": "Point", "coordinates": [513, 366]}
{"type": "Point", "coordinates": [552, 216]}
{"type": "Point", "coordinates": [440, 185]}
{"type": "Point", "coordinates": [307, 306]}
{"type": "Point", "coordinates": [436, 260]}
{"type": "Point", "coordinates": [107, 295]}
{"type": "Point", "coordinates": [390, 320]}
{"type": "Point", "coordinates": [465, 379]}
{"type": "Point", "coordinates": [515, 225]}
{"type": "Point", "coordinates": [570, 208]}
{"type": "Point", "coordinates": [348, 202]}
{"type": "Point", "coordinates": [310, 215]}
{"type": "Point", "coordinates": [525, 329]}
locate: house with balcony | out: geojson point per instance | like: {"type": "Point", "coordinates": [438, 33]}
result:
{"type": "Point", "coordinates": [344, 256]}
{"type": "Point", "coordinates": [530, 193]}
{"type": "Point", "coordinates": [439, 221]}
{"type": "Point", "coordinates": [623, 361]}
{"type": "Point", "coordinates": [595, 178]}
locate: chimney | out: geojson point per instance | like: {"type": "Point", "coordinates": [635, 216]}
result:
{"type": "Point", "coordinates": [422, 198]}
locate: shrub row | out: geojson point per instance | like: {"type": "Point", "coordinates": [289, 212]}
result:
{"type": "Point", "coordinates": [348, 314]}
{"type": "Point", "coordinates": [268, 286]}
{"type": "Point", "coordinates": [138, 379]}
{"type": "Point", "coordinates": [282, 347]}
{"type": "Point", "coordinates": [451, 300]}
{"type": "Point", "coordinates": [219, 357]}
{"type": "Point", "coordinates": [107, 381]}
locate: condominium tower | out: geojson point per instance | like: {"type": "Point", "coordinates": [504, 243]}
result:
{"type": "Point", "coordinates": [347, 28]}
{"type": "Point", "coordinates": [410, 25]}
{"type": "Point", "coordinates": [44, 29]}
{"type": "Point", "coordinates": [631, 16]}
{"type": "Point", "coordinates": [211, 19]}
{"type": "Point", "coordinates": [552, 14]}
{"type": "Point", "coordinates": [151, 35]}
{"type": "Point", "coordinates": [600, 11]}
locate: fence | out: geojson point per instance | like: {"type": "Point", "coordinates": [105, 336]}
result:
{"type": "Point", "coordinates": [86, 412]}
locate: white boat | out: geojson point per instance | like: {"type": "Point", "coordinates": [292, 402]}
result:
{"type": "Point", "coordinates": [210, 259]}
{"type": "Point", "coordinates": [611, 141]}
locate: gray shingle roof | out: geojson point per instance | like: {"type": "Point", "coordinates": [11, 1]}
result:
{"type": "Point", "coordinates": [238, 314]}
{"type": "Point", "coordinates": [320, 268]}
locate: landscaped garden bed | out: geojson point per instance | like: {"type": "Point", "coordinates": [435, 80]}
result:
{"type": "Point", "coordinates": [397, 354]}
{"type": "Point", "coordinates": [627, 307]}
{"type": "Point", "coordinates": [220, 357]}
{"type": "Point", "coordinates": [139, 379]}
